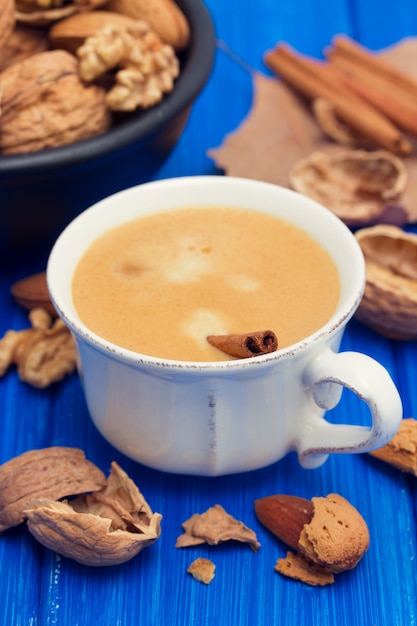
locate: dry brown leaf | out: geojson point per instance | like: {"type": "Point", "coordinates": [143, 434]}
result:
{"type": "Point", "coordinates": [280, 129]}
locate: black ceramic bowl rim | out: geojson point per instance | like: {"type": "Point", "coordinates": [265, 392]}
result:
{"type": "Point", "coordinates": [195, 72]}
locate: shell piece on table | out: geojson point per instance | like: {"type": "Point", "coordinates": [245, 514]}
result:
{"type": "Point", "coordinates": [361, 188]}
{"type": "Point", "coordinates": [389, 303]}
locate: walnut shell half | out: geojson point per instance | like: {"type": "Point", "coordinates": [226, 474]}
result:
{"type": "Point", "coordinates": [53, 472]}
{"type": "Point", "coordinates": [107, 527]}
{"type": "Point", "coordinates": [389, 303]}
{"type": "Point", "coordinates": [360, 187]}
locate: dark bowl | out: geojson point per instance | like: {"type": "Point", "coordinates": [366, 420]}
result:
{"type": "Point", "coordinates": [41, 192]}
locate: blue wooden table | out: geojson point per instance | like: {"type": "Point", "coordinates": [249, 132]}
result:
{"type": "Point", "coordinates": [37, 587]}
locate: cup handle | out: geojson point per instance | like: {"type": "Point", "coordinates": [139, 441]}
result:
{"type": "Point", "coordinates": [324, 378]}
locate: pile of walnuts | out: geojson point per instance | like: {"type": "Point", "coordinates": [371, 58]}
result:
{"type": "Point", "coordinates": [66, 66]}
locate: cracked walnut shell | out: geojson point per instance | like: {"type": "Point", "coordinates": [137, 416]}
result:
{"type": "Point", "coordinates": [360, 187]}
{"type": "Point", "coordinates": [389, 303]}
{"type": "Point", "coordinates": [53, 472]}
{"type": "Point", "coordinates": [401, 450]}
{"type": "Point", "coordinates": [106, 527]}
{"type": "Point", "coordinates": [43, 354]}
{"type": "Point", "coordinates": [46, 104]}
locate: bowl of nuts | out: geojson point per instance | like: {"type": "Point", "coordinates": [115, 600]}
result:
{"type": "Point", "coordinates": [94, 96]}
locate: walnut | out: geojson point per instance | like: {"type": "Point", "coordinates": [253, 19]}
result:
{"type": "Point", "coordinates": [106, 527]}
{"type": "Point", "coordinates": [7, 22]}
{"type": "Point", "coordinates": [23, 42]}
{"type": "Point", "coordinates": [147, 66]}
{"type": "Point", "coordinates": [53, 472]}
{"type": "Point", "coordinates": [401, 451]}
{"type": "Point", "coordinates": [389, 303]}
{"type": "Point", "coordinates": [360, 187]}
{"type": "Point", "coordinates": [213, 527]}
{"type": "Point", "coordinates": [43, 354]}
{"type": "Point", "coordinates": [45, 12]}
{"type": "Point", "coordinates": [46, 104]}
{"type": "Point", "coordinates": [164, 17]}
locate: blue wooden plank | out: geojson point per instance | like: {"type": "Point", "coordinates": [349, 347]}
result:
{"type": "Point", "coordinates": [39, 588]}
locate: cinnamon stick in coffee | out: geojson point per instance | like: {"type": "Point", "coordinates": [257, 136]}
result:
{"type": "Point", "coordinates": [247, 345]}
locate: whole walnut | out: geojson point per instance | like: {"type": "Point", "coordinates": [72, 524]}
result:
{"type": "Point", "coordinates": [7, 20]}
{"type": "Point", "coordinates": [23, 42]}
{"type": "Point", "coordinates": [46, 104]}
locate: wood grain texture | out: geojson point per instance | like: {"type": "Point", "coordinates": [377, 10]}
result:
{"type": "Point", "coordinates": [38, 588]}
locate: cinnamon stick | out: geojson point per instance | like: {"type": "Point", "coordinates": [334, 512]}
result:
{"type": "Point", "coordinates": [367, 59]}
{"type": "Point", "coordinates": [312, 80]}
{"type": "Point", "coordinates": [247, 345]}
{"type": "Point", "coordinates": [396, 104]}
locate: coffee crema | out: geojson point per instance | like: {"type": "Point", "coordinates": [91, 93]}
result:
{"type": "Point", "coordinates": [160, 284]}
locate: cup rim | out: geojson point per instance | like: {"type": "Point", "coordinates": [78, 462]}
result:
{"type": "Point", "coordinates": [58, 262]}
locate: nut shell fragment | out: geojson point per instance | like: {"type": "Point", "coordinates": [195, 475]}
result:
{"type": "Point", "coordinates": [389, 303]}
{"type": "Point", "coordinates": [202, 570]}
{"type": "Point", "coordinates": [213, 527]}
{"type": "Point", "coordinates": [108, 527]}
{"type": "Point", "coordinates": [401, 450]}
{"type": "Point", "coordinates": [360, 187]}
{"type": "Point", "coordinates": [297, 567]}
{"type": "Point", "coordinates": [53, 473]}
{"type": "Point", "coordinates": [43, 354]}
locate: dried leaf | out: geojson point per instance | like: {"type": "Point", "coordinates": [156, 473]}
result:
{"type": "Point", "coordinates": [280, 129]}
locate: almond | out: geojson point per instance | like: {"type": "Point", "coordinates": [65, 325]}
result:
{"type": "Point", "coordinates": [285, 516]}
{"type": "Point", "coordinates": [70, 33]}
{"type": "Point", "coordinates": [32, 293]}
{"type": "Point", "coordinates": [164, 16]}
{"type": "Point", "coordinates": [328, 533]}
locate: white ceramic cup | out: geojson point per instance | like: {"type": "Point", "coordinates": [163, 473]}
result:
{"type": "Point", "coordinates": [228, 416]}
